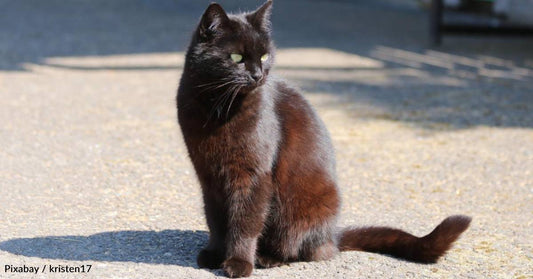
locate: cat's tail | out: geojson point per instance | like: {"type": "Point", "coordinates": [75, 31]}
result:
{"type": "Point", "coordinates": [399, 244]}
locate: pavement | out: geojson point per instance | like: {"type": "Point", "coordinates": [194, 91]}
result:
{"type": "Point", "coordinates": [94, 172]}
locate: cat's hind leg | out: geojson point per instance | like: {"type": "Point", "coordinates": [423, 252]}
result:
{"type": "Point", "coordinates": [267, 260]}
{"type": "Point", "coordinates": [277, 245]}
{"type": "Point", "coordinates": [319, 244]}
{"type": "Point", "coordinates": [316, 248]}
{"type": "Point", "coordinates": [321, 252]}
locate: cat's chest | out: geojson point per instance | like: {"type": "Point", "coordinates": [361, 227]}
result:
{"type": "Point", "coordinates": [248, 139]}
{"type": "Point", "coordinates": [250, 143]}
{"type": "Point", "coordinates": [236, 141]}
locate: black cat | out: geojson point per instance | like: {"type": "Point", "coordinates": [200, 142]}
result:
{"type": "Point", "coordinates": [265, 160]}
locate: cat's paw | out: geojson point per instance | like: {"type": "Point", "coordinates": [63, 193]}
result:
{"type": "Point", "coordinates": [209, 259]}
{"type": "Point", "coordinates": [265, 261]}
{"type": "Point", "coordinates": [235, 267]}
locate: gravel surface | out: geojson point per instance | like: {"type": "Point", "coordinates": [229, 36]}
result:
{"type": "Point", "coordinates": [94, 171]}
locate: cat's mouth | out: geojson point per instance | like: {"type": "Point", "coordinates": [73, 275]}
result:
{"type": "Point", "coordinates": [252, 85]}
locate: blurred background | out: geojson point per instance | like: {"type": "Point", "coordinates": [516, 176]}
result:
{"type": "Point", "coordinates": [325, 43]}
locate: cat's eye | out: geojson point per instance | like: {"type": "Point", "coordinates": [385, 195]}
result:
{"type": "Point", "coordinates": [237, 58]}
{"type": "Point", "coordinates": [264, 58]}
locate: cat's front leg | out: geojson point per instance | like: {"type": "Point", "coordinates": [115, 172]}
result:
{"type": "Point", "coordinates": [247, 208]}
{"type": "Point", "coordinates": [213, 255]}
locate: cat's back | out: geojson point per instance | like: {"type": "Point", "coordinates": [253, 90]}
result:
{"type": "Point", "coordinates": [294, 110]}
{"type": "Point", "coordinates": [304, 135]}
{"type": "Point", "coordinates": [291, 104]}
{"type": "Point", "coordinates": [305, 164]}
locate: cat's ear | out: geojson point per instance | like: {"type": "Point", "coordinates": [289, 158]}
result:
{"type": "Point", "coordinates": [260, 18]}
{"type": "Point", "coordinates": [212, 21]}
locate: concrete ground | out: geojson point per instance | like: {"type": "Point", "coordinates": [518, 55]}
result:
{"type": "Point", "coordinates": [93, 169]}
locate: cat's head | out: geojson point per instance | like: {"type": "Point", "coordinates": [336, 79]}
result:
{"type": "Point", "coordinates": [233, 49]}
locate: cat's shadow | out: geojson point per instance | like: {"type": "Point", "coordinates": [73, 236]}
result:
{"type": "Point", "coordinates": [172, 247]}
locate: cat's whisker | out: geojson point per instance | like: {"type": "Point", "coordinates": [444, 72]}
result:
{"type": "Point", "coordinates": [214, 82]}
{"type": "Point", "coordinates": [236, 91]}
{"type": "Point", "coordinates": [224, 84]}
{"type": "Point", "coordinates": [206, 87]}
{"type": "Point", "coordinates": [228, 95]}
{"type": "Point", "coordinates": [211, 111]}
{"type": "Point", "coordinates": [218, 104]}
{"type": "Point", "coordinates": [216, 86]}
{"type": "Point", "coordinates": [209, 88]}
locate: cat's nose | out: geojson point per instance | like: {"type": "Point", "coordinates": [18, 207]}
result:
{"type": "Point", "coordinates": [257, 76]}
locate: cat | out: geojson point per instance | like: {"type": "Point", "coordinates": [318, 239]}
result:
{"type": "Point", "coordinates": [265, 160]}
